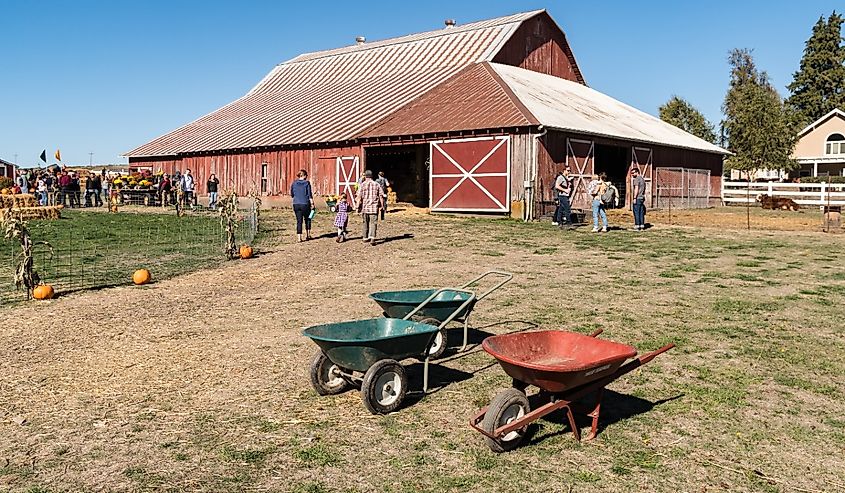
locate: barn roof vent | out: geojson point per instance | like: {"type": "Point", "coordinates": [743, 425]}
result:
{"type": "Point", "coordinates": [449, 23]}
{"type": "Point", "coordinates": [360, 40]}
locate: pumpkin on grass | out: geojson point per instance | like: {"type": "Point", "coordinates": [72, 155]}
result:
{"type": "Point", "coordinates": [141, 276]}
{"type": "Point", "coordinates": [43, 292]}
{"type": "Point", "coordinates": [246, 251]}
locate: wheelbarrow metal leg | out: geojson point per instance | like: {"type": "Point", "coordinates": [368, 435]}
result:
{"type": "Point", "coordinates": [466, 333]}
{"type": "Point", "coordinates": [572, 424]}
{"type": "Point", "coordinates": [594, 429]}
{"type": "Point", "coordinates": [425, 375]}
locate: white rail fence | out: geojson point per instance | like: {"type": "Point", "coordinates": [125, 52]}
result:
{"type": "Point", "coordinates": [806, 194]}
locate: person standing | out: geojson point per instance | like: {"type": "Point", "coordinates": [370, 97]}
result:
{"type": "Point", "coordinates": [74, 190]}
{"type": "Point", "coordinates": [104, 185]}
{"type": "Point", "coordinates": [188, 187]}
{"type": "Point", "coordinates": [383, 183]}
{"type": "Point", "coordinates": [211, 188]}
{"type": "Point", "coordinates": [638, 203]}
{"type": "Point", "coordinates": [303, 202]}
{"type": "Point", "coordinates": [597, 188]}
{"type": "Point", "coordinates": [370, 198]}
{"type": "Point", "coordinates": [89, 190]}
{"type": "Point", "coordinates": [165, 190]}
{"type": "Point", "coordinates": [563, 187]}
{"type": "Point", "coordinates": [41, 188]}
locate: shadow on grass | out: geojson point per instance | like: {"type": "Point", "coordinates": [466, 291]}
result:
{"type": "Point", "coordinates": [615, 407]}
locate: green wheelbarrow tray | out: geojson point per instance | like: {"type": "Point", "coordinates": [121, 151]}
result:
{"type": "Point", "coordinates": [359, 344]}
{"type": "Point", "coordinates": [443, 304]}
{"type": "Point", "coordinates": [397, 304]}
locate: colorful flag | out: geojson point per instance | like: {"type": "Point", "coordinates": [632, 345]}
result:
{"type": "Point", "coordinates": [44, 155]}
{"type": "Point", "coordinates": [58, 155]}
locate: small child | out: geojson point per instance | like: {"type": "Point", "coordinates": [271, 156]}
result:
{"type": "Point", "coordinates": [341, 218]}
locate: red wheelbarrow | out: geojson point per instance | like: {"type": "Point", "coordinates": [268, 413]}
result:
{"type": "Point", "coordinates": [566, 366]}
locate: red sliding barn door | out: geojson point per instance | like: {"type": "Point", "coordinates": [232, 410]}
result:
{"type": "Point", "coordinates": [470, 175]}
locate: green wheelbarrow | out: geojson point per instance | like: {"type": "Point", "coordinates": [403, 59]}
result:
{"type": "Point", "coordinates": [447, 304]}
{"type": "Point", "coordinates": [367, 353]}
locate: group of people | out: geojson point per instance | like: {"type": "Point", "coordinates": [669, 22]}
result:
{"type": "Point", "coordinates": [603, 194]}
{"type": "Point", "coordinates": [370, 201]}
{"type": "Point", "coordinates": [60, 186]}
{"type": "Point", "coordinates": [57, 186]}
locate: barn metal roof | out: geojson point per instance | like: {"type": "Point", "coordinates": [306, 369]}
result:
{"type": "Point", "coordinates": [476, 98]}
{"type": "Point", "coordinates": [331, 96]}
{"type": "Point", "coordinates": [566, 105]}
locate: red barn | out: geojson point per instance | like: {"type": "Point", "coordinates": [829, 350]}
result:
{"type": "Point", "coordinates": [472, 118]}
{"type": "Point", "coordinates": [7, 169]}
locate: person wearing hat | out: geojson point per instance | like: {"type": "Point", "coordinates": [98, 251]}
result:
{"type": "Point", "coordinates": [638, 202]}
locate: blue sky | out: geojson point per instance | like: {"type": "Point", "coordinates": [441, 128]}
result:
{"type": "Point", "coordinates": [105, 77]}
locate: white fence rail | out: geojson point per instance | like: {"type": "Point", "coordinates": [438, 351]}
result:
{"type": "Point", "coordinates": [818, 194]}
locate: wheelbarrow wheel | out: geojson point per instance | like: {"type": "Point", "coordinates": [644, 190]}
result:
{"type": "Point", "coordinates": [325, 376]}
{"type": "Point", "coordinates": [438, 347]}
{"type": "Point", "coordinates": [384, 386]}
{"type": "Point", "coordinates": [509, 405]}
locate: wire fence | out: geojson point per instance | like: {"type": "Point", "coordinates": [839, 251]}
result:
{"type": "Point", "coordinates": [682, 188]}
{"type": "Point", "coordinates": [92, 250]}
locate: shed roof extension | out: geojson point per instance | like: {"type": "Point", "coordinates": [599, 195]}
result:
{"type": "Point", "coordinates": [564, 105]}
{"type": "Point", "coordinates": [331, 96]}
{"type": "Point", "coordinates": [492, 96]}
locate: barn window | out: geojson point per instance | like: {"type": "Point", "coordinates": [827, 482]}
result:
{"type": "Point", "coordinates": [264, 177]}
{"type": "Point", "coordinates": [835, 144]}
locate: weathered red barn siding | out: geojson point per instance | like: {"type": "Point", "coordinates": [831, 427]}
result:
{"type": "Point", "coordinates": [539, 45]}
{"type": "Point", "coordinates": [672, 157]}
{"type": "Point", "coordinates": [242, 170]}
{"type": "Point", "coordinates": [551, 158]}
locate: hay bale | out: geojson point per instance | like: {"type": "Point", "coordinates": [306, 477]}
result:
{"type": "Point", "coordinates": [19, 200]}
{"type": "Point", "coordinates": [27, 213]}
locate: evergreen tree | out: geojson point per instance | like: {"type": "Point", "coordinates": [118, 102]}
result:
{"type": "Point", "coordinates": [819, 84]}
{"type": "Point", "coordinates": [757, 124]}
{"type": "Point", "coordinates": [685, 116]}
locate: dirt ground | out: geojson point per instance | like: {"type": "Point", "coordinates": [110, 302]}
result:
{"type": "Point", "coordinates": [200, 383]}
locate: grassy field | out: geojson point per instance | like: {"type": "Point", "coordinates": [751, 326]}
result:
{"type": "Point", "coordinates": [216, 396]}
{"type": "Point", "coordinates": [92, 250]}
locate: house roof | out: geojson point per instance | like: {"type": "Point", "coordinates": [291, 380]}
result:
{"type": "Point", "coordinates": [809, 128]}
{"type": "Point", "coordinates": [3, 162]}
{"type": "Point", "coordinates": [332, 96]}
{"type": "Point", "coordinates": [566, 105]}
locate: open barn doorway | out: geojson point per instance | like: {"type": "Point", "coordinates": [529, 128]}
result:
{"type": "Point", "coordinates": [614, 161]}
{"type": "Point", "coordinates": [404, 167]}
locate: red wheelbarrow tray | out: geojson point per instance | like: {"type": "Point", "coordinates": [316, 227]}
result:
{"type": "Point", "coordinates": [556, 360]}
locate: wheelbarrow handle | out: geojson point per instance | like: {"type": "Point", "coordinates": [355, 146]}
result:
{"type": "Point", "coordinates": [650, 356]}
{"type": "Point", "coordinates": [470, 299]}
{"type": "Point", "coordinates": [507, 276]}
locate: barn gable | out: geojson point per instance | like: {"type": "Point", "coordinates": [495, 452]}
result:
{"type": "Point", "coordinates": [333, 96]}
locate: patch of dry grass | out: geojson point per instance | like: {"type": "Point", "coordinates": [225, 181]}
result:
{"type": "Point", "coordinates": [200, 382]}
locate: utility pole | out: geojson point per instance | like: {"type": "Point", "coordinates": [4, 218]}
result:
{"type": "Point", "coordinates": [90, 159]}
{"type": "Point", "coordinates": [16, 159]}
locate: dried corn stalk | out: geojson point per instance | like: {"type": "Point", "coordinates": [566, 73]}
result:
{"type": "Point", "coordinates": [25, 274]}
{"type": "Point", "coordinates": [228, 213]}
{"type": "Point", "coordinates": [180, 197]}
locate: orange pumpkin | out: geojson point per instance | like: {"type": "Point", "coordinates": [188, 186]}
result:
{"type": "Point", "coordinates": [43, 292]}
{"type": "Point", "coordinates": [141, 276]}
{"type": "Point", "coordinates": [5, 191]}
{"type": "Point", "coordinates": [246, 251]}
